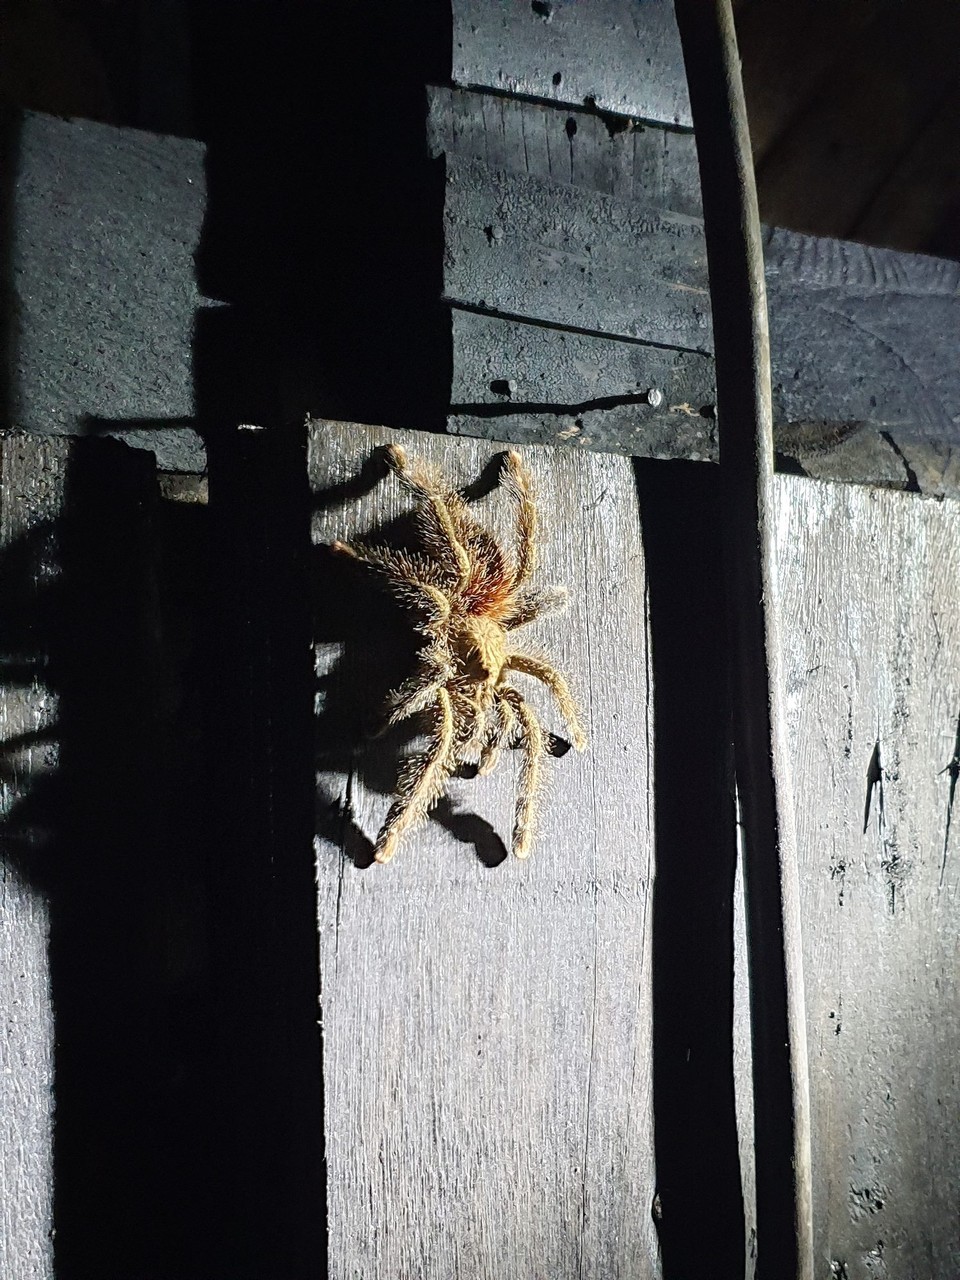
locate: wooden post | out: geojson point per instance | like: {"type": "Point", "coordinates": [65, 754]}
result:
{"type": "Point", "coordinates": [486, 1021]}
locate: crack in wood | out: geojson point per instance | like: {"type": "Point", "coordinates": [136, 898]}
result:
{"type": "Point", "coordinates": [953, 769]}
{"type": "Point", "coordinates": [874, 780]}
{"type": "Point", "coordinates": [913, 484]}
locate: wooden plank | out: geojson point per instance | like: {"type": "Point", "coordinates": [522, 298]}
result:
{"type": "Point", "coordinates": [868, 593]}
{"type": "Point", "coordinates": [625, 158]}
{"type": "Point", "coordinates": [858, 335]}
{"type": "Point", "coordinates": [863, 334]}
{"type": "Point", "coordinates": [105, 225]}
{"type": "Point", "coordinates": [519, 247]}
{"type": "Point", "coordinates": [32, 480]}
{"type": "Point", "coordinates": [487, 1027]}
{"type": "Point", "coordinates": [531, 384]}
{"type": "Point", "coordinates": [617, 56]}
{"type": "Point", "coordinates": [824, 172]}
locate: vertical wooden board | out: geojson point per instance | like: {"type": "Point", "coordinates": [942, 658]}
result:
{"type": "Point", "coordinates": [32, 474]}
{"type": "Point", "coordinates": [487, 1027]}
{"type": "Point", "coordinates": [868, 594]}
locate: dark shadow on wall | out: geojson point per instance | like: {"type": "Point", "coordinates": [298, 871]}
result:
{"type": "Point", "coordinates": [96, 608]}
{"type": "Point", "coordinates": [700, 1216]}
{"type": "Point", "coordinates": [323, 234]}
{"type": "Point", "coordinates": [324, 228]}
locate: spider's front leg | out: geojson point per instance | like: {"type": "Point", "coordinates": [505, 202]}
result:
{"type": "Point", "coordinates": [516, 480]}
{"type": "Point", "coordinates": [421, 690]}
{"type": "Point", "coordinates": [421, 782]}
{"type": "Point", "coordinates": [437, 506]}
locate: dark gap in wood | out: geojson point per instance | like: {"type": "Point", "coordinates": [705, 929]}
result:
{"type": "Point", "coordinates": [701, 1216]}
{"type": "Point", "coordinates": [483, 409]}
{"type": "Point", "coordinates": [537, 323]}
{"type": "Point", "coordinates": [264, 958]}
{"type": "Point", "coordinates": [953, 770]}
{"type": "Point", "coordinates": [613, 122]}
{"type": "Point", "coordinates": [324, 223]}
{"type": "Point", "coordinates": [912, 484]}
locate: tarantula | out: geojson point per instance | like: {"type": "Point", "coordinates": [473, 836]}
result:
{"type": "Point", "coordinates": [467, 594]}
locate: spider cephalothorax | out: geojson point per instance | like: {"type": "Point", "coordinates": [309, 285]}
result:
{"type": "Point", "coordinates": [467, 594]}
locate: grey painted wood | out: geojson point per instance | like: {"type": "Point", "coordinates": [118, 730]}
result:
{"type": "Point", "coordinates": [861, 339]}
{"type": "Point", "coordinates": [32, 476]}
{"type": "Point", "coordinates": [863, 334]}
{"type": "Point", "coordinates": [520, 247]}
{"type": "Point", "coordinates": [535, 384]}
{"type": "Point", "coordinates": [625, 158]}
{"type": "Point", "coordinates": [613, 54]}
{"type": "Point", "coordinates": [105, 224]}
{"type": "Point", "coordinates": [868, 598]}
{"type": "Point", "coordinates": [487, 1028]}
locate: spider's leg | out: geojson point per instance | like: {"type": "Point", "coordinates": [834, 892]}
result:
{"type": "Point", "coordinates": [533, 746]}
{"type": "Point", "coordinates": [503, 726]}
{"type": "Point", "coordinates": [421, 690]}
{"type": "Point", "coordinates": [548, 675]}
{"type": "Point", "coordinates": [421, 782]}
{"type": "Point", "coordinates": [407, 577]}
{"type": "Point", "coordinates": [435, 502]}
{"type": "Point", "coordinates": [532, 604]}
{"type": "Point", "coordinates": [516, 480]}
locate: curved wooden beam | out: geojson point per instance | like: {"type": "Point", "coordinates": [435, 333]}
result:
{"type": "Point", "coordinates": [735, 259]}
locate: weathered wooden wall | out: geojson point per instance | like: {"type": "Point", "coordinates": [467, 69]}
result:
{"type": "Point", "coordinates": [871, 627]}
{"type": "Point", "coordinates": [486, 1022]}
{"type": "Point", "coordinates": [32, 479]}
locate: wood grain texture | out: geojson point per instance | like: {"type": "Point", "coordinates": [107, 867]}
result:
{"type": "Point", "coordinates": [626, 158]}
{"type": "Point", "coordinates": [536, 385]}
{"type": "Point", "coordinates": [618, 56]}
{"type": "Point", "coordinates": [524, 248]}
{"type": "Point", "coordinates": [32, 477]}
{"type": "Point", "coordinates": [486, 1027]}
{"type": "Point", "coordinates": [868, 597]}
{"type": "Point", "coordinates": [861, 339]}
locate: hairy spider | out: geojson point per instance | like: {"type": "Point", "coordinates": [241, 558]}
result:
{"type": "Point", "coordinates": [467, 594]}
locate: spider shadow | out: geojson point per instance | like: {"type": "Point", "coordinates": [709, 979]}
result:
{"type": "Point", "coordinates": [367, 647]}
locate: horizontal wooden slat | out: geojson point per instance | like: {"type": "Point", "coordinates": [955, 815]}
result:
{"type": "Point", "coordinates": [531, 383]}
{"type": "Point", "coordinates": [863, 334]}
{"type": "Point", "coordinates": [520, 247]}
{"type": "Point", "coordinates": [634, 161]}
{"type": "Point", "coordinates": [617, 55]}
{"type": "Point", "coordinates": [486, 1028]}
